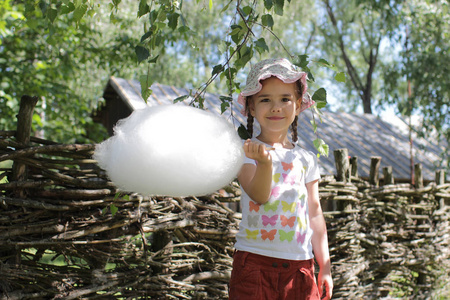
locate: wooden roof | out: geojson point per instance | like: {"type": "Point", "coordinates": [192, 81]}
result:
{"type": "Point", "coordinates": [363, 135]}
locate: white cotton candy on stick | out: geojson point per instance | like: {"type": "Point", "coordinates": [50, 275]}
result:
{"type": "Point", "coordinates": [171, 150]}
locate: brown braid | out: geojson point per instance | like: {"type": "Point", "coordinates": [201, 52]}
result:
{"type": "Point", "coordinates": [294, 129]}
{"type": "Point", "coordinates": [294, 124]}
{"type": "Point", "coordinates": [250, 120]}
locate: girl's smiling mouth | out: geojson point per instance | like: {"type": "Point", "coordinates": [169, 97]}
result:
{"type": "Point", "coordinates": [275, 118]}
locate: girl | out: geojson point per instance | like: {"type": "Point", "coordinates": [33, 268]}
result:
{"type": "Point", "coordinates": [282, 221]}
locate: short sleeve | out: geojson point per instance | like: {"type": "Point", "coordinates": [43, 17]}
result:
{"type": "Point", "coordinates": [312, 172]}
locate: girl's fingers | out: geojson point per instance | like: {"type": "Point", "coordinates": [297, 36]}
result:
{"type": "Point", "coordinates": [251, 146]}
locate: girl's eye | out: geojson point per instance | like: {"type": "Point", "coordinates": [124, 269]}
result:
{"type": "Point", "coordinates": [286, 99]}
{"type": "Point", "coordinates": [265, 100]}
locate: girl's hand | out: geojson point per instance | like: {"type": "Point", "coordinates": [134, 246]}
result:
{"type": "Point", "coordinates": [257, 151]}
{"type": "Point", "coordinates": [325, 285]}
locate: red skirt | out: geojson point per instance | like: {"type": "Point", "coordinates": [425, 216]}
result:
{"type": "Point", "coordinates": [257, 277]}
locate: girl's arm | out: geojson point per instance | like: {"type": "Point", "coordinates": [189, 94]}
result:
{"type": "Point", "coordinates": [319, 240]}
{"type": "Point", "coordinates": [256, 180]}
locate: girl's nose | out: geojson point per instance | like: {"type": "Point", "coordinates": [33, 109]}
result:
{"type": "Point", "coordinates": [276, 107]}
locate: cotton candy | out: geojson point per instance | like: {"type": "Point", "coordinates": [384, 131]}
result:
{"type": "Point", "coordinates": [171, 150]}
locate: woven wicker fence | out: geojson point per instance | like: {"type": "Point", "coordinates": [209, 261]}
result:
{"type": "Point", "coordinates": [67, 233]}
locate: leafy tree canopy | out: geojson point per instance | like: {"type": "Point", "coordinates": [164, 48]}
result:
{"type": "Point", "coordinates": [64, 51]}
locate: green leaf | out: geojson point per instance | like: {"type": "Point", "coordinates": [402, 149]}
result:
{"type": "Point", "coordinates": [226, 7]}
{"type": "Point", "coordinates": [116, 2]}
{"type": "Point", "coordinates": [224, 106]}
{"type": "Point", "coordinates": [310, 75]}
{"type": "Point", "coordinates": [160, 25]}
{"type": "Point", "coordinates": [51, 40]}
{"type": "Point", "coordinates": [65, 9]}
{"type": "Point", "coordinates": [226, 98]}
{"type": "Point", "coordinates": [153, 60]}
{"type": "Point", "coordinates": [200, 100]}
{"type": "Point", "coordinates": [173, 20]}
{"type": "Point", "coordinates": [216, 69]}
{"type": "Point", "coordinates": [267, 20]}
{"type": "Point", "coordinates": [320, 95]}
{"type": "Point", "coordinates": [321, 104]}
{"type": "Point", "coordinates": [279, 6]}
{"type": "Point", "coordinates": [32, 23]}
{"type": "Point", "coordinates": [326, 64]}
{"type": "Point", "coordinates": [210, 5]}
{"type": "Point", "coordinates": [321, 146]}
{"type": "Point", "coordinates": [268, 4]}
{"type": "Point", "coordinates": [244, 54]}
{"type": "Point", "coordinates": [183, 29]}
{"type": "Point", "coordinates": [79, 12]}
{"type": "Point", "coordinates": [146, 35]}
{"type": "Point", "coordinates": [314, 125]}
{"type": "Point", "coordinates": [142, 53]}
{"type": "Point", "coordinates": [261, 45]}
{"type": "Point", "coordinates": [243, 133]}
{"type": "Point", "coordinates": [146, 83]}
{"type": "Point", "coordinates": [37, 119]}
{"type": "Point", "coordinates": [237, 33]}
{"type": "Point", "coordinates": [143, 8]}
{"type": "Point", "coordinates": [51, 14]}
{"type": "Point", "coordinates": [246, 10]}
{"type": "Point", "coordinates": [114, 209]}
{"type": "Point", "coordinates": [181, 98]}
{"type": "Point", "coordinates": [302, 61]}
{"type": "Point", "coordinates": [340, 77]}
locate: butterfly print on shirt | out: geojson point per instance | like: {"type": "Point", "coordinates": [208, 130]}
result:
{"type": "Point", "coordinates": [301, 222]}
{"type": "Point", "coordinates": [287, 166]}
{"type": "Point", "coordinates": [254, 206]}
{"type": "Point", "coordinates": [289, 178]}
{"type": "Point", "coordinates": [300, 237]}
{"type": "Point", "coordinates": [266, 220]}
{"type": "Point", "coordinates": [276, 177]}
{"type": "Point", "coordinates": [286, 236]}
{"type": "Point", "coordinates": [252, 221]}
{"type": "Point", "coordinates": [271, 206]}
{"type": "Point", "coordinates": [285, 221]}
{"type": "Point", "coordinates": [252, 234]}
{"type": "Point", "coordinates": [290, 194]}
{"type": "Point", "coordinates": [288, 206]}
{"type": "Point", "coordinates": [268, 234]}
{"type": "Point", "coordinates": [275, 192]}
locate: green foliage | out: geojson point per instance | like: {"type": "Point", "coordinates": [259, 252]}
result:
{"type": "Point", "coordinates": [60, 46]}
{"type": "Point", "coordinates": [425, 50]}
{"type": "Point", "coordinates": [50, 49]}
{"type": "Point", "coordinates": [321, 146]}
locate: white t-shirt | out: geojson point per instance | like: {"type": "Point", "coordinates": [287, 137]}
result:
{"type": "Point", "coordinates": [280, 228]}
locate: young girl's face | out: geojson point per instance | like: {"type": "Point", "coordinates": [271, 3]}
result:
{"type": "Point", "coordinates": [276, 105]}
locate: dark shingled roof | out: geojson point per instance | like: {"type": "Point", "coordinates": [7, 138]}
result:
{"type": "Point", "coordinates": [363, 135]}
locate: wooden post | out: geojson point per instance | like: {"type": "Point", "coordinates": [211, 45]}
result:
{"type": "Point", "coordinates": [440, 177]}
{"type": "Point", "coordinates": [388, 176]}
{"type": "Point", "coordinates": [342, 164]}
{"type": "Point", "coordinates": [418, 177]}
{"type": "Point", "coordinates": [354, 166]}
{"type": "Point", "coordinates": [24, 119]}
{"type": "Point", "coordinates": [374, 170]}
{"type": "Point", "coordinates": [440, 180]}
